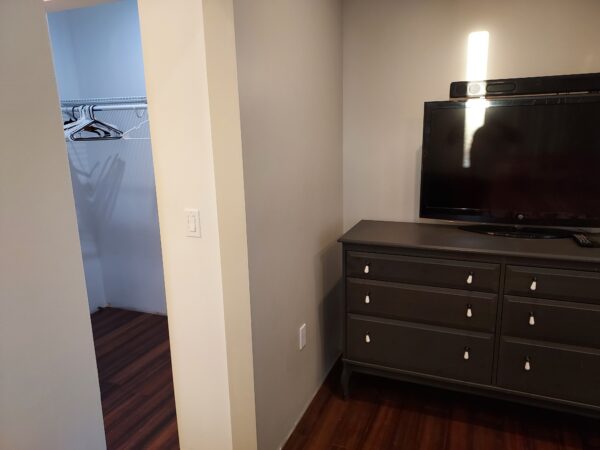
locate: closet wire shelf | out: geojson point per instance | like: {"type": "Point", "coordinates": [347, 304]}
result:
{"type": "Point", "coordinates": [82, 119]}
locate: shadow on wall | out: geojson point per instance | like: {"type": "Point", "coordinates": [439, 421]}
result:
{"type": "Point", "coordinates": [99, 197]}
{"type": "Point", "coordinates": [331, 311]}
{"type": "Point", "coordinates": [95, 196]}
{"type": "Point", "coordinates": [108, 187]}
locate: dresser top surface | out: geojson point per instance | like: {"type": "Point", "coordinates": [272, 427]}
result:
{"type": "Point", "coordinates": [451, 238]}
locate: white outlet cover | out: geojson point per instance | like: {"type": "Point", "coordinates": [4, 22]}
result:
{"type": "Point", "coordinates": [302, 336]}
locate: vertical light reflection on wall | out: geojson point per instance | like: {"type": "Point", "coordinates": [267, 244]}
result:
{"type": "Point", "coordinates": [477, 58]}
{"type": "Point", "coordinates": [477, 55]}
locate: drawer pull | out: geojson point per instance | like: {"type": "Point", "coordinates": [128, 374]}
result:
{"type": "Point", "coordinates": [527, 364]}
{"type": "Point", "coordinates": [470, 278]}
{"type": "Point", "coordinates": [367, 299]}
{"type": "Point", "coordinates": [368, 338]}
{"type": "Point", "coordinates": [469, 311]}
{"type": "Point", "coordinates": [466, 354]}
{"type": "Point", "coordinates": [533, 286]}
{"type": "Point", "coordinates": [531, 319]}
{"type": "Point", "coordinates": [366, 269]}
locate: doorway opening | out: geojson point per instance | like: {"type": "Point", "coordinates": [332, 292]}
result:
{"type": "Point", "coordinates": [100, 75]}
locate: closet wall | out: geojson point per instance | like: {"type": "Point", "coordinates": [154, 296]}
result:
{"type": "Point", "coordinates": [98, 55]}
{"type": "Point", "coordinates": [98, 51]}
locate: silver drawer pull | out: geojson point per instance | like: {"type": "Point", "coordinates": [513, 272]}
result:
{"type": "Point", "coordinates": [470, 278]}
{"type": "Point", "coordinates": [466, 354]}
{"type": "Point", "coordinates": [469, 311]}
{"type": "Point", "coordinates": [533, 286]}
{"type": "Point", "coordinates": [368, 338]}
{"type": "Point", "coordinates": [527, 364]}
{"type": "Point", "coordinates": [367, 299]}
{"type": "Point", "coordinates": [531, 319]}
{"type": "Point", "coordinates": [366, 270]}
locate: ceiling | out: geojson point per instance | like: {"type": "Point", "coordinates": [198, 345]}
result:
{"type": "Point", "coordinates": [60, 5]}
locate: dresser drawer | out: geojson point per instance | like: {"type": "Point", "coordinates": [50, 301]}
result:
{"type": "Point", "coordinates": [421, 348]}
{"type": "Point", "coordinates": [552, 320]}
{"type": "Point", "coordinates": [426, 271]}
{"type": "Point", "coordinates": [438, 306]}
{"type": "Point", "coordinates": [562, 372]}
{"type": "Point", "coordinates": [553, 283]}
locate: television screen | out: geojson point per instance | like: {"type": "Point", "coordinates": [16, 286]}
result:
{"type": "Point", "coordinates": [515, 161]}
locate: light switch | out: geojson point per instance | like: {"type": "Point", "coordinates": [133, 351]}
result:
{"type": "Point", "coordinates": [192, 222]}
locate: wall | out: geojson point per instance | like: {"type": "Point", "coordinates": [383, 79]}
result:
{"type": "Point", "coordinates": [115, 196]}
{"type": "Point", "coordinates": [399, 54]}
{"type": "Point", "coordinates": [289, 71]}
{"type": "Point", "coordinates": [224, 104]}
{"type": "Point", "coordinates": [97, 53]}
{"type": "Point", "coordinates": [49, 394]}
{"type": "Point", "coordinates": [174, 45]}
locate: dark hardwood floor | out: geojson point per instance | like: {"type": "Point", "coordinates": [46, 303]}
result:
{"type": "Point", "coordinates": [384, 414]}
{"type": "Point", "coordinates": [136, 382]}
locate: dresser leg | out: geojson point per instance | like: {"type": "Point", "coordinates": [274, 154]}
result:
{"type": "Point", "coordinates": [346, 372]}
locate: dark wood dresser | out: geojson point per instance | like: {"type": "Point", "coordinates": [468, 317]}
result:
{"type": "Point", "coordinates": [517, 319]}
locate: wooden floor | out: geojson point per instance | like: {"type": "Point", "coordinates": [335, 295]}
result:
{"type": "Point", "coordinates": [383, 414]}
{"type": "Point", "coordinates": [136, 382]}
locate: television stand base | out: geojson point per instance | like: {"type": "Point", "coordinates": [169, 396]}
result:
{"type": "Point", "coordinates": [519, 232]}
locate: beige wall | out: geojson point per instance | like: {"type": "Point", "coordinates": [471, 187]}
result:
{"type": "Point", "coordinates": [178, 101]}
{"type": "Point", "coordinates": [289, 70]}
{"type": "Point", "coordinates": [49, 395]}
{"type": "Point", "coordinates": [229, 176]}
{"type": "Point", "coordinates": [398, 54]}
{"type": "Point", "coordinates": [189, 55]}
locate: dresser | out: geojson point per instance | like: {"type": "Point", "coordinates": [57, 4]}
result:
{"type": "Point", "coordinates": [517, 319]}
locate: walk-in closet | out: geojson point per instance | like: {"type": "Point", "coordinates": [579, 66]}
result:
{"type": "Point", "coordinates": [100, 75]}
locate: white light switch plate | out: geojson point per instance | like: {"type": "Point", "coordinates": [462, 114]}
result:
{"type": "Point", "coordinates": [192, 223]}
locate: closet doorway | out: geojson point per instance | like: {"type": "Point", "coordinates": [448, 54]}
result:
{"type": "Point", "coordinates": [100, 75]}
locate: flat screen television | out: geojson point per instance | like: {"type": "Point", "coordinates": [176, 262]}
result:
{"type": "Point", "coordinates": [529, 161]}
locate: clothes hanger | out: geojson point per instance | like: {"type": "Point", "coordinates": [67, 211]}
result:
{"type": "Point", "coordinates": [83, 121]}
{"type": "Point", "coordinates": [71, 118]}
{"type": "Point", "coordinates": [87, 123]}
{"type": "Point", "coordinates": [79, 116]}
{"type": "Point", "coordinates": [92, 128]}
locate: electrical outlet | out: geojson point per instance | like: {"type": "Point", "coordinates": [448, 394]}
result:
{"type": "Point", "coordinates": [302, 336]}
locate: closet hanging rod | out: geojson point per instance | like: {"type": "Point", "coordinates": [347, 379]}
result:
{"type": "Point", "coordinates": [113, 107]}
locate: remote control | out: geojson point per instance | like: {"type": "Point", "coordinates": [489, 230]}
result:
{"type": "Point", "coordinates": [582, 240]}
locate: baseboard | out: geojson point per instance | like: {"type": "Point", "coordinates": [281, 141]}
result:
{"type": "Point", "coordinates": [156, 313]}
